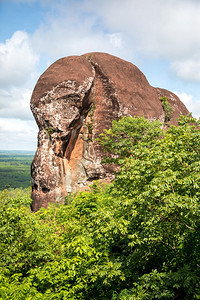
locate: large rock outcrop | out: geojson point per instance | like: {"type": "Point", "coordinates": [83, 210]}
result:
{"type": "Point", "coordinates": [72, 102]}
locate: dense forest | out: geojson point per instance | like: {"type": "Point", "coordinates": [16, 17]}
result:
{"type": "Point", "coordinates": [137, 238]}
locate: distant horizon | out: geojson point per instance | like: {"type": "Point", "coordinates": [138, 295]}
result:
{"type": "Point", "coordinates": [16, 150]}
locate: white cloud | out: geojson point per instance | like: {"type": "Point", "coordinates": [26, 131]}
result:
{"type": "Point", "coordinates": [15, 103]}
{"type": "Point", "coordinates": [188, 69]}
{"type": "Point", "coordinates": [192, 105]}
{"type": "Point", "coordinates": [18, 129]}
{"type": "Point", "coordinates": [163, 27]}
{"type": "Point", "coordinates": [115, 39]}
{"type": "Point", "coordinates": [17, 74]}
{"type": "Point", "coordinates": [18, 134]}
{"type": "Point", "coordinates": [157, 28]}
{"type": "Point", "coordinates": [74, 31]}
{"type": "Point", "coordinates": [17, 60]}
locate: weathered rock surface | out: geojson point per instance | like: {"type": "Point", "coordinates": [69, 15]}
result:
{"type": "Point", "coordinates": [73, 101]}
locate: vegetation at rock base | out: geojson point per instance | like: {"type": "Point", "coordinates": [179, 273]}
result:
{"type": "Point", "coordinates": [136, 238]}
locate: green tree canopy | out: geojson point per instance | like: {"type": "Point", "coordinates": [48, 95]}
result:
{"type": "Point", "coordinates": [124, 135]}
{"type": "Point", "coordinates": [136, 238]}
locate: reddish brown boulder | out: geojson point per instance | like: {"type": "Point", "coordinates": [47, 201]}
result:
{"type": "Point", "coordinates": [73, 101]}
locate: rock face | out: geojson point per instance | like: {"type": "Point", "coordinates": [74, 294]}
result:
{"type": "Point", "coordinates": [72, 102]}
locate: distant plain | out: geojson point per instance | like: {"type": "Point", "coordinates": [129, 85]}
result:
{"type": "Point", "coordinates": [15, 169]}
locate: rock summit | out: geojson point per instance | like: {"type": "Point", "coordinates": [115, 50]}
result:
{"type": "Point", "coordinates": [73, 101]}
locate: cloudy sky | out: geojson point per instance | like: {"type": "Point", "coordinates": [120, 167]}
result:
{"type": "Point", "coordinates": [161, 37]}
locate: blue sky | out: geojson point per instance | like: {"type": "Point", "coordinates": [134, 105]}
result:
{"type": "Point", "coordinates": [160, 37]}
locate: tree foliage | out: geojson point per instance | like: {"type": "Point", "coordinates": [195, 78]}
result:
{"type": "Point", "coordinates": [121, 139]}
{"type": "Point", "coordinates": [136, 238]}
{"type": "Point", "coordinates": [168, 110]}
